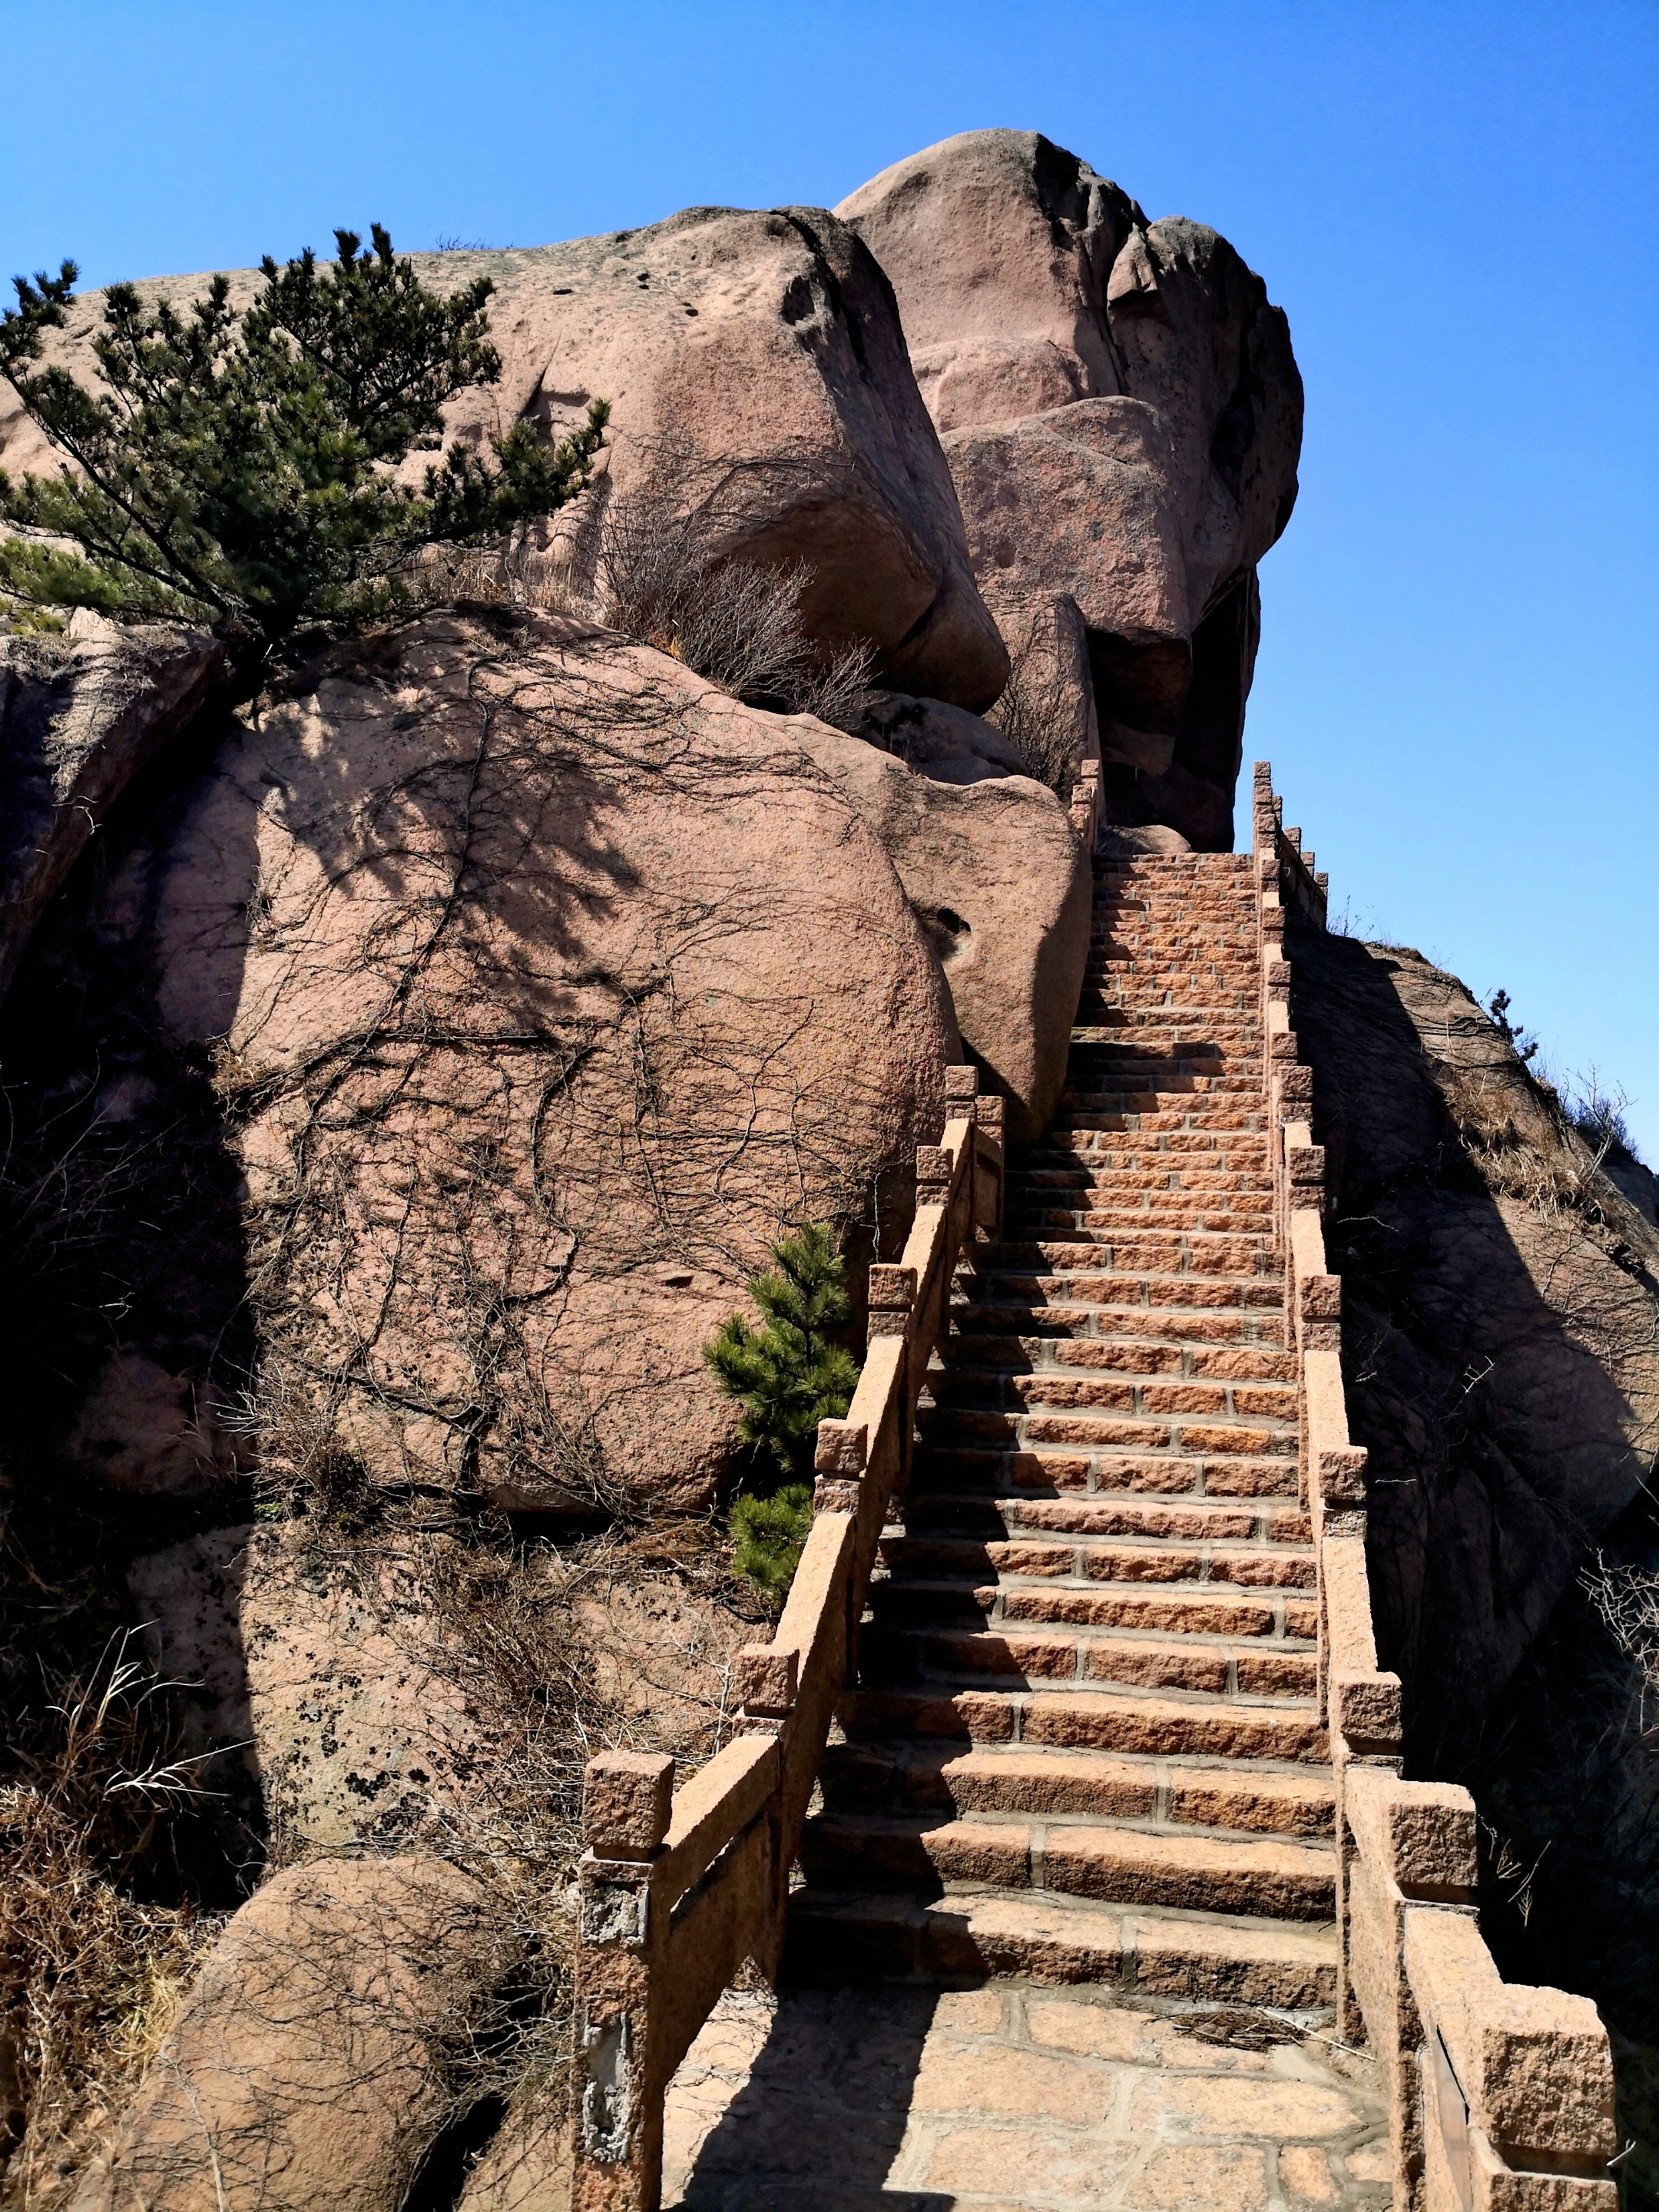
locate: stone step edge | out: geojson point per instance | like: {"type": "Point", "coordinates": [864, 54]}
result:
{"type": "Point", "coordinates": [1316, 1853]}
{"type": "Point", "coordinates": [1058, 1940]}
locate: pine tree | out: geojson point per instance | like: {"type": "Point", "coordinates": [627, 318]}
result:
{"type": "Point", "coordinates": [791, 1374]}
{"type": "Point", "coordinates": [237, 469]}
{"type": "Point", "coordinates": [769, 1535]}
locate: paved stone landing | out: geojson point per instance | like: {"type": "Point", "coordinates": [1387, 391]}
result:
{"type": "Point", "coordinates": [1013, 2096]}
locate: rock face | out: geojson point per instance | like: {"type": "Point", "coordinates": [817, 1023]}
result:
{"type": "Point", "coordinates": [309, 2066]}
{"type": "Point", "coordinates": [1003, 888]}
{"type": "Point", "coordinates": [1048, 705]}
{"type": "Point", "coordinates": [1501, 1352]}
{"type": "Point", "coordinates": [1483, 1247]}
{"type": "Point", "coordinates": [358, 1684]}
{"type": "Point", "coordinates": [946, 743]}
{"type": "Point", "coordinates": [1123, 414]}
{"type": "Point", "coordinates": [757, 361]}
{"type": "Point", "coordinates": [534, 984]}
{"type": "Point", "coordinates": [80, 715]}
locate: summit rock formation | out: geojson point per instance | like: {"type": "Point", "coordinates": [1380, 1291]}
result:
{"type": "Point", "coordinates": [1123, 414]}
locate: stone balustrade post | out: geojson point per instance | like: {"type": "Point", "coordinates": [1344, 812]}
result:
{"type": "Point", "coordinates": [627, 1801]}
{"type": "Point", "coordinates": [990, 1163]}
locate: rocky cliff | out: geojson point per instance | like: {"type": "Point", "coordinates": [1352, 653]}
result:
{"type": "Point", "coordinates": [408, 1060]}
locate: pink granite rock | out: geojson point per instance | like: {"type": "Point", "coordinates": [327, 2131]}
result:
{"type": "Point", "coordinates": [998, 244]}
{"type": "Point", "coordinates": [1121, 412]}
{"type": "Point", "coordinates": [1003, 888]}
{"type": "Point", "coordinates": [80, 715]}
{"type": "Point", "coordinates": [763, 351]}
{"type": "Point", "coordinates": [544, 985]}
{"type": "Point", "coordinates": [307, 2067]}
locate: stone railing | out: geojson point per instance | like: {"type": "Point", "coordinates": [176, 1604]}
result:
{"type": "Point", "coordinates": [678, 1887]}
{"type": "Point", "coordinates": [1084, 808]}
{"type": "Point", "coordinates": [1500, 2095]}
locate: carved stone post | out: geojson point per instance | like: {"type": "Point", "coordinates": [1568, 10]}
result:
{"type": "Point", "coordinates": [893, 1311]}
{"type": "Point", "coordinates": [990, 1162]}
{"type": "Point", "coordinates": [626, 1803]}
{"type": "Point", "coordinates": [767, 1680]}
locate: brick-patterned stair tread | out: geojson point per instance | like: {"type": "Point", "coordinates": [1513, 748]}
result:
{"type": "Point", "coordinates": [1255, 1795]}
{"type": "Point", "coordinates": [1195, 1610]}
{"type": "Point", "coordinates": [1097, 1717]}
{"type": "Point", "coordinates": [840, 1938]}
{"type": "Point", "coordinates": [1085, 1741]}
{"type": "Point", "coordinates": [1283, 1879]}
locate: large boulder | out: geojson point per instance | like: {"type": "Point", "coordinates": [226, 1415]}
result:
{"type": "Point", "coordinates": [503, 993]}
{"type": "Point", "coordinates": [1079, 501]}
{"type": "Point", "coordinates": [1004, 888]}
{"type": "Point", "coordinates": [80, 715]}
{"type": "Point", "coordinates": [311, 2065]}
{"type": "Point", "coordinates": [1122, 414]}
{"type": "Point", "coordinates": [345, 1691]}
{"type": "Point", "coordinates": [999, 245]}
{"type": "Point", "coordinates": [761, 355]}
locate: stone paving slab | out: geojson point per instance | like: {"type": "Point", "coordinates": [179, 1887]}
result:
{"type": "Point", "coordinates": [1013, 2098]}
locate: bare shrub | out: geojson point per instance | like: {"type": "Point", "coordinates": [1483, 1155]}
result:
{"type": "Point", "coordinates": [1035, 715]}
{"type": "Point", "coordinates": [1599, 1117]}
{"type": "Point", "coordinates": [545, 1646]}
{"type": "Point", "coordinates": [512, 572]}
{"type": "Point", "coordinates": [90, 1976]}
{"type": "Point", "coordinates": [1626, 1600]}
{"type": "Point", "coordinates": [739, 623]}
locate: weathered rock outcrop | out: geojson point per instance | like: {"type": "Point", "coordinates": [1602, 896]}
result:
{"type": "Point", "coordinates": [1048, 705]}
{"type": "Point", "coordinates": [943, 743]}
{"type": "Point", "coordinates": [1501, 1351]}
{"type": "Point", "coordinates": [760, 357]}
{"type": "Point", "coordinates": [1003, 888]}
{"type": "Point", "coordinates": [80, 715]}
{"type": "Point", "coordinates": [1506, 1370]}
{"type": "Point", "coordinates": [531, 984]}
{"type": "Point", "coordinates": [312, 2063]}
{"type": "Point", "coordinates": [1123, 414]}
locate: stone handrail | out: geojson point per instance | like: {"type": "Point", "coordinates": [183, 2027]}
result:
{"type": "Point", "coordinates": [1084, 808]}
{"type": "Point", "coordinates": [1500, 2095]}
{"type": "Point", "coordinates": [679, 1887]}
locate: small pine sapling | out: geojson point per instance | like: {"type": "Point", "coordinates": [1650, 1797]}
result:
{"type": "Point", "coordinates": [1525, 1045]}
{"type": "Point", "coordinates": [789, 1374]}
{"type": "Point", "coordinates": [769, 1534]}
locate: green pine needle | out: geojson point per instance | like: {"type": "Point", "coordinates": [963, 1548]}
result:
{"type": "Point", "coordinates": [236, 469]}
{"type": "Point", "coordinates": [789, 1374]}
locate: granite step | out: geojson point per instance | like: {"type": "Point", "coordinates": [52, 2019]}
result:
{"type": "Point", "coordinates": [1277, 1878]}
{"type": "Point", "coordinates": [1099, 1717]}
{"type": "Point", "coordinates": [1251, 1796]}
{"type": "Point", "coordinates": [838, 1937]}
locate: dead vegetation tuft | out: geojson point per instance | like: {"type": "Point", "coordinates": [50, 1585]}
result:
{"type": "Point", "coordinates": [740, 623]}
{"type": "Point", "coordinates": [1036, 713]}
{"type": "Point", "coordinates": [91, 1975]}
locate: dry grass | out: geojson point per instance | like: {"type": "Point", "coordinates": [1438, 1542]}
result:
{"type": "Point", "coordinates": [739, 622]}
{"type": "Point", "coordinates": [1523, 1147]}
{"type": "Point", "coordinates": [1036, 714]}
{"type": "Point", "coordinates": [90, 1975]}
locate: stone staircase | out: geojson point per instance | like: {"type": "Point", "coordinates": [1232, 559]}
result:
{"type": "Point", "coordinates": [1085, 1741]}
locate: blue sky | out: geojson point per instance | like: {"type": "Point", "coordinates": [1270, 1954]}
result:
{"type": "Point", "coordinates": [1459, 680]}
